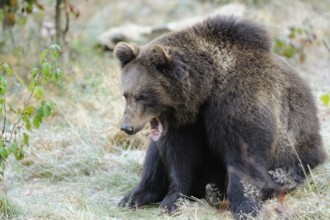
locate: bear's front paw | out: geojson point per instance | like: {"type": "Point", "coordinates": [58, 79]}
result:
{"type": "Point", "coordinates": [213, 195]}
{"type": "Point", "coordinates": [168, 209]}
{"type": "Point", "coordinates": [168, 205]}
{"type": "Point", "coordinates": [132, 200]}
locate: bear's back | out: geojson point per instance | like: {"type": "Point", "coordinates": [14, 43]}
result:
{"type": "Point", "coordinates": [234, 31]}
{"type": "Point", "coordinates": [225, 31]}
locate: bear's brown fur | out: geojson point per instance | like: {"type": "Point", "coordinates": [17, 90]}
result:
{"type": "Point", "coordinates": [223, 109]}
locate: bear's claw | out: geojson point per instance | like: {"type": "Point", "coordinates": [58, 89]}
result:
{"type": "Point", "coordinates": [213, 195]}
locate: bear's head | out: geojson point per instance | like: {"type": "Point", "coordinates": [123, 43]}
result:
{"type": "Point", "coordinates": [151, 82]}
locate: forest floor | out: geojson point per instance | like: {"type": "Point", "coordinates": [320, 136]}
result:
{"type": "Point", "coordinates": [79, 164]}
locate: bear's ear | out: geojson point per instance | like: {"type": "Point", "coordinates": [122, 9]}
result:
{"type": "Point", "coordinates": [167, 62]}
{"type": "Point", "coordinates": [160, 57]}
{"type": "Point", "coordinates": [126, 52]}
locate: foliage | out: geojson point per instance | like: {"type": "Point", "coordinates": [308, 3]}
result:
{"type": "Point", "coordinates": [295, 44]}
{"type": "Point", "coordinates": [325, 98]}
{"type": "Point", "coordinates": [15, 11]}
{"type": "Point", "coordinates": [36, 108]}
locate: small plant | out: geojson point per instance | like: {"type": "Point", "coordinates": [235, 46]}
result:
{"type": "Point", "coordinates": [251, 192]}
{"type": "Point", "coordinates": [12, 12]}
{"type": "Point", "coordinates": [325, 98]}
{"type": "Point", "coordinates": [295, 44]}
{"type": "Point", "coordinates": [283, 178]}
{"type": "Point", "coordinates": [16, 136]}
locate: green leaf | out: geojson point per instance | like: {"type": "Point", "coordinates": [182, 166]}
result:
{"type": "Point", "coordinates": [279, 44]}
{"type": "Point", "coordinates": [54, 54]}
{"type": "Point", "coordinates": [37, 120]}
{"type": "Point", "coordinates": [39, 6]}
{"type": "Point", "coordinates": [34, 72]}
{"type": "Point", "coordinates": [29, 7]}
{"type": "Point", "coordinates": [21, 21]}
{"type": "Point", "coordinates": [3, 85]}
{"type": "Point", "coordinates": [38, 93]}
{"type": "Point", "coordinates": [6, 68]}
{"type": "Point", "coordinates": [26, 120]}
{"type": "Point", "coordinates": [28, 126]}
{"type": "Point", "coordinates": [32, 85]}
{"type": "Point", "coordinates": [292, 34]}
{"type": "Point", "coordinates": [43, 55]}
{"type": "Point", "coordinates": [325, 99]}
{"type": "Point", "coordinates": [40, 111]}
{"type": "Point", "coordinates": [55, 50]}
{"type": "Point", "coordinates": [19, 153]}
{"type": "Point", "coordinates": [48, 107]}
{"type": "Point", "coordinates": [51, 104]}
{"type": "Point", "coordinates": [26, 139]}
{"type": "Point", "coordinates": [2, 14]}
{"type": "Point", "coordinates": [55, 47]}
{"type": "Point", "coordinates": [58, 74]}
{"type": "Point", "coordinates": [12, 147]}
{"type": "Point", "coordinates": [47, 110]}
{"type": "Point", "coordinates": [29, 110]}
{"type": "Point", "coordinates": [3, 152]}
{"type": "Point", "coordinates": [289, 52]}
{"type": "Point", "coordinates": [46, 71]}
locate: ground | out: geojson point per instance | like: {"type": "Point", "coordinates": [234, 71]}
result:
{"type": "Point", "coordinates": [79, 164]}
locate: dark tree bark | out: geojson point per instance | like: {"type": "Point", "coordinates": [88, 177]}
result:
{"type": "Point", "coordinates": [58, 22]}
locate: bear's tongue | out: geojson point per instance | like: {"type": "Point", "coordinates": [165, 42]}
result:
{"type": "Point", "coordinates": [156, 128]}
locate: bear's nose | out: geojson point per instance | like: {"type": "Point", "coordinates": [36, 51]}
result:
{"type": "Point", "coordinates": [128, 129]}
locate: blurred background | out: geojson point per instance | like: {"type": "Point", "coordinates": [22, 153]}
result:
{"type": "Point", "coordinates": [78, 164]}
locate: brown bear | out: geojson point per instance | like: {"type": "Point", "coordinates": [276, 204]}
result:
{"type": "Point", "coordinates": [223, 110]}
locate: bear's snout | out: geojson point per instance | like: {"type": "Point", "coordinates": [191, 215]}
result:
{"type": "Point", "coordinates": [127, 128]}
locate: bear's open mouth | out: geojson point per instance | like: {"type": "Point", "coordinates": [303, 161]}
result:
{"type": "Point", "coordinates": [156, 129]}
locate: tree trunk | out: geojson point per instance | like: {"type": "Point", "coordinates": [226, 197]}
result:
{"type": "Point", "coordinates": [58, 22]}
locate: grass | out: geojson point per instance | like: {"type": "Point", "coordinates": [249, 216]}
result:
{"type": "Point", "coordinates": [7, 208]}
{"type": "Point", "coordinates": [79, 164]}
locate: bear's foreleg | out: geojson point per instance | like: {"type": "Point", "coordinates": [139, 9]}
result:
{"type": "Point", "coordinates": [154, 183]}
{"type": "Point", "coordinates": [247, 150]}
{"type": "Point", "coordinates": [245, 144]}
{"type": "Point", "coordinates": [181, 151]}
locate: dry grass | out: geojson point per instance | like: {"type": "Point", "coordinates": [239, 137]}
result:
{"type": "Point", "coordinates": [79, 164]}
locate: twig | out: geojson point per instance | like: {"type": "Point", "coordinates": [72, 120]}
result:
{"type": "Point", "coordinates": [26, 105]}
{"type": "Point", "coordinates": [313, 178]}
{"type": "Point", "coordinates": [67, 19]}
{"type": "Point", "coordinates": [302, 165]}
{"type": "Point", "coordinates": [27, 102]}
{"type": "Point", "coordinates": [20, 117]}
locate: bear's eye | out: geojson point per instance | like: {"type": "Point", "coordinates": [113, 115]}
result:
{"type": "Point", "coordinates": [142, 97]}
